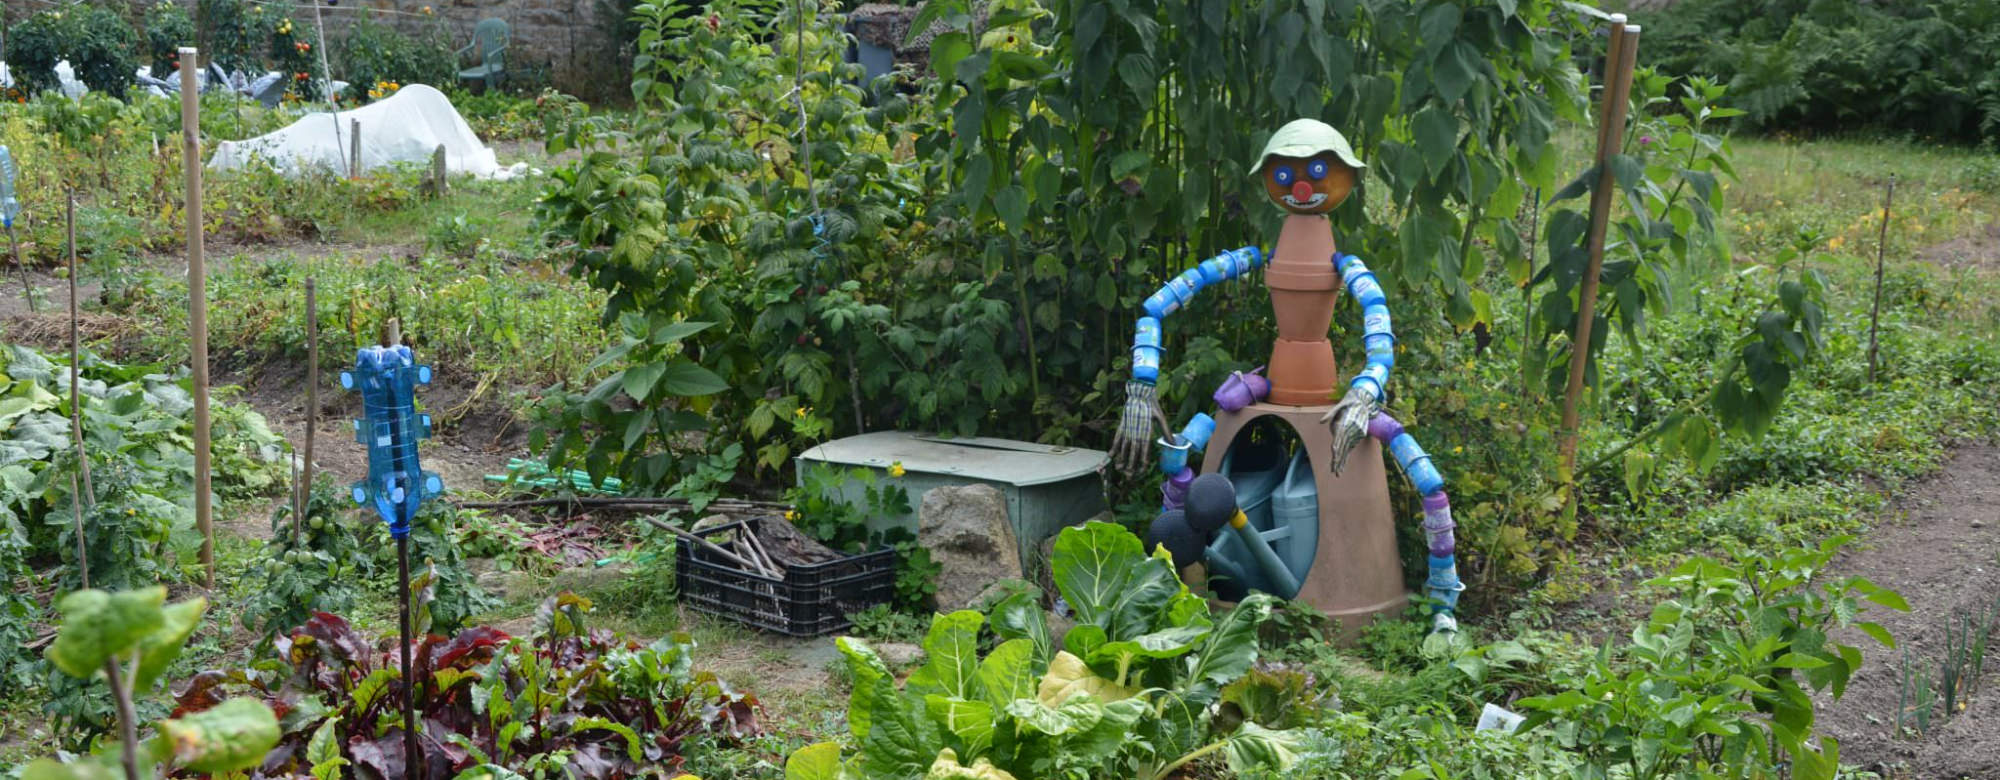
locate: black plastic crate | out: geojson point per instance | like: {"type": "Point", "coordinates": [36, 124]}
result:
{"type": "Point", "coordinates": [813, 599]}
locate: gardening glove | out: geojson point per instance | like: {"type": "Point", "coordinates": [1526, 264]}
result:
{"type": "Point", "coordinates": [1132, 448]}
{"type": "Point", "coordinates": [1349, 421]}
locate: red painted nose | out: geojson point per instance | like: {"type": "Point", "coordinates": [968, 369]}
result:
{"type": "Point", "coordinates": [1301, 191]}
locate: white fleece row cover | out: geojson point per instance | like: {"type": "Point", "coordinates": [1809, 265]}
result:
{"type": "Point", "coordinates": [403, 128]}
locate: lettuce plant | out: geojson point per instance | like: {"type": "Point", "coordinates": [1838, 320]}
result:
{"type": "Point", "coordinates": [1128, 692]}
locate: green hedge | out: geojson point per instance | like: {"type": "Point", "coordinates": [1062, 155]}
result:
{"type": "Point", "coordinates": [1929, 68]}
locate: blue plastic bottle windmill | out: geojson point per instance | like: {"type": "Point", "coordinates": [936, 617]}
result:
{"type": "Point", "coordinates": [9, 205]}
{"type": "Point", "coordinates": [387, 378]}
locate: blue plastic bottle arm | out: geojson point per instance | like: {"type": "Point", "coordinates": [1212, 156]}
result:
{"type": "Point", "coordinates": [1177, 293]}
{"type": "Point", "coordinates": [1378, 334]}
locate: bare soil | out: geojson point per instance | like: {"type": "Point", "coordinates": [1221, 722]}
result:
{"type": "Point", "coordinates": [1939, 548]}
{"type": "Point", "coordinates": [1979, 250]}
{"type": "Point", "coordinates": [470, 440]}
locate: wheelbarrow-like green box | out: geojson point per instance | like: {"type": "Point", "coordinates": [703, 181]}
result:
{"type": "Point", "coordinates": [1046, 486]}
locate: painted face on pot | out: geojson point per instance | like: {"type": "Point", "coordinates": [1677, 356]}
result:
{"type": "Point", "coordinates": [1307, 185]}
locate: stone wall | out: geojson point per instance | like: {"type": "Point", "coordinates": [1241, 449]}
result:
{"type": "Point", "coordinates": [571, 39]}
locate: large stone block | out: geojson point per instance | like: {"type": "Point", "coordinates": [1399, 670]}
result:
{"type": "Point", "coordinates": [968, 534]}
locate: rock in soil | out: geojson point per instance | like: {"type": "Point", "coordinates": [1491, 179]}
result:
{"type": "Point", "coordinates": [969, 536]}
{"type": "Point", "coordinates": [897, 654]}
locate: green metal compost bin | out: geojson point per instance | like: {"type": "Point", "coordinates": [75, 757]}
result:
{"type": "Point", "coordinates": [1046, 486]}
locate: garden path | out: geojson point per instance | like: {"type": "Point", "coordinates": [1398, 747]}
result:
{"type": "Point", "coordinates": [1939, 547]}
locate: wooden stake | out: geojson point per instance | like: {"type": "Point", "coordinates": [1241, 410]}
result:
{"type": "Point", "coordinates": [27, 288]}
{"type": "Point", "coordinates": [704, 543]}
{"type": "Point", "coordinates": [325, 73]}
{"type": "Point", "coordinates": [354, 137]}
{"type": "Point", "coordinates": [438, 184]}
{"type": "Point", "coordinates": [1610, 141]}
{"type": "Point", "coordinates": [777, 569]}
{"type": "Point", "coordinates": [312, 396]}
{"type": "Point", "coordinates": [1881, 242]}
{"type": "Point", "coordinates": [89, 492]}
{"type": "Point", "coordinates": [197, 304]}
{"type": "Point", "coordinates": [413, 767]}
{"type": "Point", "coordinates": [392, 335]}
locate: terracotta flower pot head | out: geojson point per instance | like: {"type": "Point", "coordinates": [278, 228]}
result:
{"type": "Point", "coordinates": [1308, 167]}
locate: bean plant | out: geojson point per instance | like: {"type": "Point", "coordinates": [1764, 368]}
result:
{"type": "Point", "coordinates": [1721, 678]}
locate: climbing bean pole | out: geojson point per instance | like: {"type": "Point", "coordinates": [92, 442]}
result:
{"type": "Point", "coordinates": [197, 304]}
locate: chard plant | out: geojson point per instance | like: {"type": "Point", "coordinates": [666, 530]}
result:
{"type": "Point", "coordinates": [1135, 689]}
{"type": "Point", "coordinates": [567, 700]}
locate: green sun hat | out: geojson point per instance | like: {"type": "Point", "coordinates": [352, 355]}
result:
{"type": "Point", "coordinates": [1305, 138]}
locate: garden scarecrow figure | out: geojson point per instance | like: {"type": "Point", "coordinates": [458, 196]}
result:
{"type": "Point", "coordinates": [1341, 558]}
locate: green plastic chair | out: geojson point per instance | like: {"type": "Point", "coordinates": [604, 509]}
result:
{"type": "Point", "coordinates": [490, 38]}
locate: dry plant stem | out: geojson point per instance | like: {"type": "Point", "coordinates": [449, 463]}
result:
{"type": "Point", "coordinates": [128, 728]}
{"type": "Point", "coordinates": [89, 492]}
{"type": "Point", "coordinates": [197, 306]}
{"type": "Point", "coordinates": [1881, 241]}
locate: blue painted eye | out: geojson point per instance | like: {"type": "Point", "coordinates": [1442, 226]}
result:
{"type": "Point", "coordinates": [1283, 175]}
{"type": "Point", "coordinates": [1316, 169]}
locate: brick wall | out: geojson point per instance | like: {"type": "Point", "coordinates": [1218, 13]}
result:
{"type": "Point", "coordinates": [568, 37]}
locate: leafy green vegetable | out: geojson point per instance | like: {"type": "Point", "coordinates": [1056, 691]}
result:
{"type": "Point", "coordinates": [98, 625]}
{"type": "Point", "coordinates": [1134, 703]}
{"type": "Point", "coordinates": [235, 734]}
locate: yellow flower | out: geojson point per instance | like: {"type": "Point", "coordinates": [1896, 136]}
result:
{"type": "Point", "coordinates": [791, 515]}
{"type": "Point", "coordinates": [427, 10]}
{"type": "Point", "coordinates": [801, 412]}
{"type": "Point", "coordinates": [1458, 450]}
{"type": "Point", "coordinates": [1503, 406]}
{"type": "Point", "coordinates": [896, 469]}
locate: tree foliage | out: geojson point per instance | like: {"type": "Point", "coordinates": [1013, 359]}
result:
{"type": "Point", "coordinates": [96, 41]}
{"type": "Point", "coordinates": [1928, 68]}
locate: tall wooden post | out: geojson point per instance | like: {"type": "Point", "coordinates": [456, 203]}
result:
{"type": "Point", "coordinates": [1618, 62]}
{"type": "Point", "coordinates": [88, 495]}
{"type": "Point", "coordinates": [197, 304]}
{"type": "Point", "coordinates": [1881, 247]}
{"type": "Point", "coordinates": [354, 137]}
{"type": "Point", "coordinates": [437, 172]}
{"type": "Point", "coordinates": [312, 398]}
